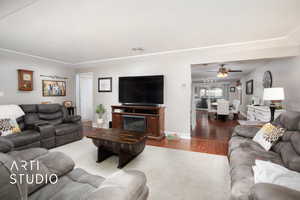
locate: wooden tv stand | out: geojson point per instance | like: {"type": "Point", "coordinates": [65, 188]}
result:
{"type": "Point", "coordinates": [155, 118]}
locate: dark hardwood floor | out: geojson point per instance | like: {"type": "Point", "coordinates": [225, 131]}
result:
{"type": "Point", "coordinates": [212, 129]}
{"type": "Point", "coordinates": [210, 136]}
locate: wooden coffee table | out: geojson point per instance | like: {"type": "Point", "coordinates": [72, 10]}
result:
{"type": "Point", "coordinates": [125, 144]}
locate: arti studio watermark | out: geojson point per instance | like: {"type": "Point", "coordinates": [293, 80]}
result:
{"type": "Point", "coordinates": [23, 166]}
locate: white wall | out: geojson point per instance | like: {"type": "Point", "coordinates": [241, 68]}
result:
{"type": "Point", "coordinates": [176, 92]}
{"type": "Point", "coordinates": [10, 63]}
{"type": "Point", "coordinates": [285, 73]}
{"type": "Point", "coordinates": [177, 70]}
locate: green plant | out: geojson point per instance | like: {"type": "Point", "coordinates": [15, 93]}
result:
{"type": "Point", "coordinates": [100, 110]}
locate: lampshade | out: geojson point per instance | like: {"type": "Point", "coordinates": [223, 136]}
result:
{"type": "Point", "coordinates": [273, 94]}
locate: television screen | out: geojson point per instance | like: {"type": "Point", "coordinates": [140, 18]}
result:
{"type": "Point", "coordinates": [141, 89]}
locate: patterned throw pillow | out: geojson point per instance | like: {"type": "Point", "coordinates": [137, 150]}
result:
{"type": "Point", "coordinates": [268, 135]}
{"type": "Point", "coordinates": [8, 126]}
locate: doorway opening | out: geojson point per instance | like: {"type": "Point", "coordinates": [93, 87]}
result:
{"type": "Point", "coordinates": [84, 96]}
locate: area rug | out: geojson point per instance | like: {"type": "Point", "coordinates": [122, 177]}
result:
{"type": "Point", "coordinates": [171, 174]}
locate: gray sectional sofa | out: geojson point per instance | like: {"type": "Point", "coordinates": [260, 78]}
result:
{"type": "Point", "coordinates": [243, 152]}
{"type": "Point", "coordinates": [72, 184]}
{"type": "Point", "coordinates": [44, 125]}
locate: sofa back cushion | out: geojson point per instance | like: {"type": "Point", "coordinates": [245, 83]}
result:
{"type": "Point", "coordinates": [52, 113]}
{"type": "Point", "coordinates": [288, 120]}
{"type": "Point", "coordinates": [31, 114]}
{"type": "Point", "coordinates": [17, 191]}
{"type": "Point", "coordinates": [46, 164]}
{"type": "Point", "coordinates": [289, 149]}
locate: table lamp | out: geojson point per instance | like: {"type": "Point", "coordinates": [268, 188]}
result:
{"type": "Point", "coordinates": [275, 95]}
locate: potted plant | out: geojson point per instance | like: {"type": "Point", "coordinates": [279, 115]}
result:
{"type": "Point", "coordinates": [100, 110]}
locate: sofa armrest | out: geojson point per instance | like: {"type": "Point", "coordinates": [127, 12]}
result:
{"type": "Point", "coordinates": [5, 145]}
{"type": "Point", "coordinates": [73, 119]}
{"type": "Point", "coordinates": [36, 123]}
{"type": "Point", "coordinates": [246, 131]}
{"type": "Point", "coordinates": [46, 130]}
{"type": "Point", "coordinates": [123, 185]}
{"type": "Point", "coordinates": [266, 191]}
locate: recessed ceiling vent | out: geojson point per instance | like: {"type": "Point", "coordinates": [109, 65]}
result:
{"type": "Point", "coordinates": [138, 49]}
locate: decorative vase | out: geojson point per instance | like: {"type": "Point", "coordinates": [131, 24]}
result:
{"type": "Point", "coordinates": [100, 122]}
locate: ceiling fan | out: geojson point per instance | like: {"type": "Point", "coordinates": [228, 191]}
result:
{"type": "Point", "coordinates": [222, 72]}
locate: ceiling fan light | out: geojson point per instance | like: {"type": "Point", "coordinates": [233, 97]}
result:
{"type": "Point", "coordinates": [222, 75]}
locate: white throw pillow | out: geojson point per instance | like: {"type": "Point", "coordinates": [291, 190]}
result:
{"type": "Point", "coordinates": [268, 135]}
{"type": "Point", "coordinates": [268, 172]}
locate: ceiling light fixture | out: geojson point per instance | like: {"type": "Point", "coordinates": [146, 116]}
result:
{"type": "Point", "coordinates": [222, 74]}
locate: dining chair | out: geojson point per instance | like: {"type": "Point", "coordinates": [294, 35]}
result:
{"type": "Point", "coordinates": [223, 108]}
{"type": "Point", "coordinates": [211, 111]}
{"type": "Point", "coordinates": [235, 109]}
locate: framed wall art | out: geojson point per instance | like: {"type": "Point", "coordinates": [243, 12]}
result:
{"type": "Point", "coordinates": [249, 87]}
{"type": "Point", "coordinates": [54, 88]}
{"type": "Point", "coordinates": [105, 84]}
{"type": "Point", "coordinates": [25, 80]}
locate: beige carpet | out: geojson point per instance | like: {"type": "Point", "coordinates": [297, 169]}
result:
{"type": "Point", "coordinates": [171, 174]}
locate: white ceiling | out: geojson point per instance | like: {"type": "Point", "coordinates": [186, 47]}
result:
{"type": "Point", "coordinates": [199, 71]}
{"type": "Point", "coordinates": [80, 30]}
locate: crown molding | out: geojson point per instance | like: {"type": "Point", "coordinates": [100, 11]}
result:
{"type": "Point", "coordinates": [249, 44]}
{"type": "Point", "coordinates": [34, 56]}
{"type": "Point", "coordinates": [18, 9]}
{"type": "Point", "coordinates": [253, 43]}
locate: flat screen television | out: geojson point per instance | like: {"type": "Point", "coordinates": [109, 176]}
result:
{"type": "Point", "coordinates": [141, 90]}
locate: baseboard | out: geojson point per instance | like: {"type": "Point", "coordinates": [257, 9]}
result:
{"type": "Point", "coordinates": [180, 134]}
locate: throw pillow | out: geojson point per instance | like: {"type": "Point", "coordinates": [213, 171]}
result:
{"type": "Point", "coordinates": [8, 126]}
{"type": "Point", "coordinates": [268, 135]}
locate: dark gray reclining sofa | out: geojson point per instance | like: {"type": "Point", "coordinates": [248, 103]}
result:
{"type": "Point", "coordinates": [72, 184]}
{"type": "Point", "coordinates": [243, 152]}
{"type": "Point", "coordinates": [44, 125]}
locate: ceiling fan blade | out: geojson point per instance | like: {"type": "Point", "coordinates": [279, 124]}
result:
{"type": "Point", "coordinates": [235, 70]}
{"type": "Point", "coordinates": [212, 71]}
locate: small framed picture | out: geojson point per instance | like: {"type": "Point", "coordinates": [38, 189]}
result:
{"type": "Point", "coordinates": [68, 104]}
{"type": "Point", "coordinates": [232, 89]}
{"type": "Point", "coordinates": [105, 84]}
{"type": "Point", "coordinates": [249, 87]}
{"type": "Point", "coordinates": [25, 80]}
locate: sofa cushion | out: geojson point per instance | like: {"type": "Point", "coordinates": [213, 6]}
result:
{"type": "Point", "coordinates": [295, 140]}
{"type": "Point", "coordinates": [10, 191]}
{"type": "Point", "coordinates": [30, 114]}
{"type": "Point", "coordinates": [288, 120]}
{"type": "Point", "coordinates": [29, 154]}
{"type": "Point", "coordinates": [48, 163]}
{"type": "Point", "coordinates": [49, 108]}
{"type": "Point", "coordinates": [66, 128]}
{"type": "Point", "coordinates": [263, 191]}
{"type": "Point", "coordinates": [242, 155]}
{"type": "Point", "coordinates": [51, 113]}
{"type": "Point", "coordinates": [75, 185]}
{"type": "Point", "coordinates": [5, 145]}
{"type": "Point", "coordinates": [290, 157]}
{"type": "Point", "coordinates": [24, 138]}
{"type": "Point", "coordinates": [246, 131]}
